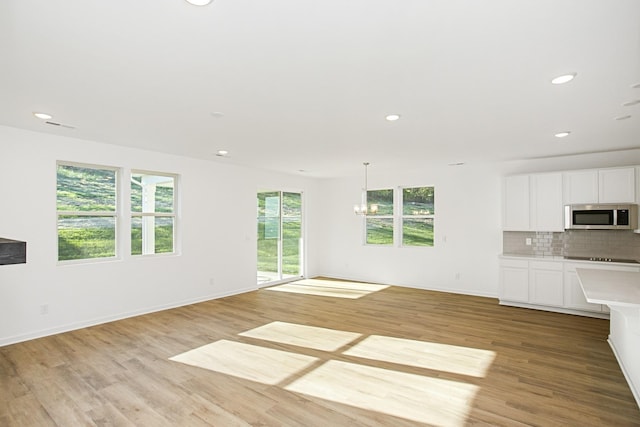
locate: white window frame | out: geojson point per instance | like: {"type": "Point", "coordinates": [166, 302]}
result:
{"type": "Point", "coordinates": [402, 216]}
{"type": "Point", "coordinates": [115, 213]}
{"type": "Point", "coordinates": [148, 243]}
{"type": "Point", "coordinates": [392, 217]}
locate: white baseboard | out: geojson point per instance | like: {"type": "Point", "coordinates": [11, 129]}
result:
{"type": "Point", "coordinates": [120, 316]}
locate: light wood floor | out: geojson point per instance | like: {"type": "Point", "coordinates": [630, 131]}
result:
{"type": "Point", "coordinates": [393, 357]}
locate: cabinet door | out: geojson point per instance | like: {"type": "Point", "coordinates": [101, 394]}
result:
{"type": "Point", "coordinates": [545, 284]}
{"type": "Point", "coordinates": [514, 281]}
{"type": "Point", "coordinates": [574, 296]}
{"type": "Point", "coordinates": [581, 187]}
{"type": "Point", "coordinates": [617, 185]}
{"type": "Point", "coordinates": [546, 202]}
{"type": "Point", "coordinates": [515, 215]}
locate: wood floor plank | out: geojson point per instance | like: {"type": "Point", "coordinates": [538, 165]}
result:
{"type": "Point", "coordinates": [393, 356]}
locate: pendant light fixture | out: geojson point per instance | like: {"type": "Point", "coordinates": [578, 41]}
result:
{"type": "Point", "coordinates": [362, 208]}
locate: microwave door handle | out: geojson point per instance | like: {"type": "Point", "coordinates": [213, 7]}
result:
{"type": "Point", "coordinates": [615, 217]}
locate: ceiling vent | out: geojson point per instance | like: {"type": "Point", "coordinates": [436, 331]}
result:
{"type": "Point", "coordinates": [60, 125]}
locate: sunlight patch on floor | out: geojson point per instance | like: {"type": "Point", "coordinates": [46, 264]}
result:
{"type": "Point", "coordinates": [329, 288]}
{"type": "Point", "coordinates": [302, 335]}
{"type": "Point", "coordinates": [441, 357]}
{"type": "Point", "coordinates": [423, 399]}
{"type": "Point", "coordinates": [250, 362]}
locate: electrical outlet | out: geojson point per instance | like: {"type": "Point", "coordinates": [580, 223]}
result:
{"type": "Point", "coordinates": [527, 241]}
{"type": "Point", "coordinates": [212, 282]}
{"type": "Point", "coordinates": [44, 309]}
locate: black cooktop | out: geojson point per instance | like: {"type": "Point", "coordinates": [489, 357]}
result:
{"type": "Point", "coordinates": [602, 259]}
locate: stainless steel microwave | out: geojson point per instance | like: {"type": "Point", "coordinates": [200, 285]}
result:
{"type": "Point", "coordinates": [601, 217]}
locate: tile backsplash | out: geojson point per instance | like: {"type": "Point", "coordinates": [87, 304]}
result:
{"type": "Point", "coordinates": [622, 244]}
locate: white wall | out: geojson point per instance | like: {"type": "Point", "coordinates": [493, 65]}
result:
{"type": "Point", "coordinates": [468, 238]}
{"type": "Point", "coordinates": [217, 220]}
{"type": "Point", "coordinates": [218, 223]}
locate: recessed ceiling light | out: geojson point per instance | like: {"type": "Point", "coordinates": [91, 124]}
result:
{"type": "Point", "coordinates": [217, 114]}
{"type": "Point", "coordinates": [199, 2]}
{"type": "Point", "coordinates": [456, 164]}
{"type": "Point", "coordinates": [630, 103]}
{"type": "Point", "coordinates": [562, 134]}
{"type": "Point", "coordinates": [623, 117]}
{"type": "Point", "coordinates": [43, 116]}
{"type": "Point", "coordinates": [565, 78]}
{"type": "Point", "coordinates": [392, 117]}
{"type": "Point", "coordinates": [222, 153]}
{"type": "Point", "coordinates": [636, 86]}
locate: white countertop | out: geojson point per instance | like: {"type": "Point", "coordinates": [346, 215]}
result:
{"type": "Point", "coordinates": [560, 258]}
{"type": "Point", "coordinates": [613, 288]}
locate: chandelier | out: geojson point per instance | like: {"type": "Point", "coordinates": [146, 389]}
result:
{"type": "Point", "coordinates": [362, 208]}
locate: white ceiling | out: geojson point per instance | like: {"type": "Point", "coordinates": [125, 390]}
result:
{"type": "Point", "coordinates": [306, 84]}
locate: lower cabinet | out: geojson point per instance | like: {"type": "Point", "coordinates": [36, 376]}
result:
{"type": "Point", "coordinates": [573, 295]}
{"type": "Point", "coordinates": [550, 285]}
{"type": "Point", "coordinates": [514, 280]}
{"type": "Point", "coordinates": [545, 283]}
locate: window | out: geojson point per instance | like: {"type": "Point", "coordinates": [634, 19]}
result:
{"type": "Point", "coordinates": [280, 254]}
{"type": "Point", "coordinates": [86, 205]}
{"type": "Point", "coordinates": [153, 217]}
{"type": "Point", "coordinates": [379, 223]}
{"type": "Point", "coordinates": [417, 216]}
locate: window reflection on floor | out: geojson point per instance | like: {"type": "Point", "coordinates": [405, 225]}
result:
{"type": "Point", "coordinates": [423, 398]}
{"type": "Point", "coordinates": [251, 362]}
{"type": "Point", "coordinates": [415, 397]}
{"type": "Point", "coordinates": [442, 357]}
{"type": "Point", "coordinates": [329, 288]}
{"type": "Point", "coordinates": [302, 335]}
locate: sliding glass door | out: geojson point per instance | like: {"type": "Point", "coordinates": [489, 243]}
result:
{"type": "Point", "coordinates": [280, 255]}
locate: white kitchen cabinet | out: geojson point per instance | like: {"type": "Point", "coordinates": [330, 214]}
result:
{"type": "Point", "coordinates": [546, 283]}
{"type": "Point", "coordinates": [617, 185]}
{"type": "Point", "coordinates": [533, 202]}
{"type": "Point", "coordinates": [514, 280]}
{"type": "Point", "coordinates": [573, 295]}
{"type": "Point", "coordinates": [546, 202]}
{"type": "Point", "coordinates": [551, 284]}
{"type": "Point", "coordinates": [581, 187]}
{"type": "Point", "coordinates": [516, 207]}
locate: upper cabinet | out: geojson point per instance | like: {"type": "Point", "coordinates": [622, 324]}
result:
{"type": "Point", "coordinates": [616, 185]}
{"type": "Point", "coordinates": [581, 187]}
{"type": "Point", "coordinates": [536, 202]}
{"type": "Point", "coordinates": [546, 202]}
{"type": "Point", "coordinates": [533, 202]}
{"type": "Point", "coordinates": [515, 215]}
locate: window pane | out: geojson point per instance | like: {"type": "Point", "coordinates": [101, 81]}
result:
{"type": "Point", "coordinates": [379, 231]}
{"type": "Point", "coordinates": [417, 232]}
{"type": "Point", "coordinates": [292, 204]}
{"type": "Point", "coordinates": [164, 234]}
{"type": "Point", "coordinates": [418, 201]}
{"type": "Point", "coordinates": [269, 204]}
{"type": "Point", "coordinates": [268, 231]}
{"type": "Point", "coordinates": [82, 237]}
{"type": "Point", "coordinates": [383, 199]}
{"type": "Point", "coordinates": [152, 193]}
{"type": "Point", "coordinates": [151, 235]}
{"type": "Point", "coordinates": [291, 234]}
{"type": "Point", "coordinates": [85, 189]}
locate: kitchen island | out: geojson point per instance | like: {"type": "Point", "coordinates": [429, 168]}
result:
{"type": "Point", "coordinates": [620, 290]}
